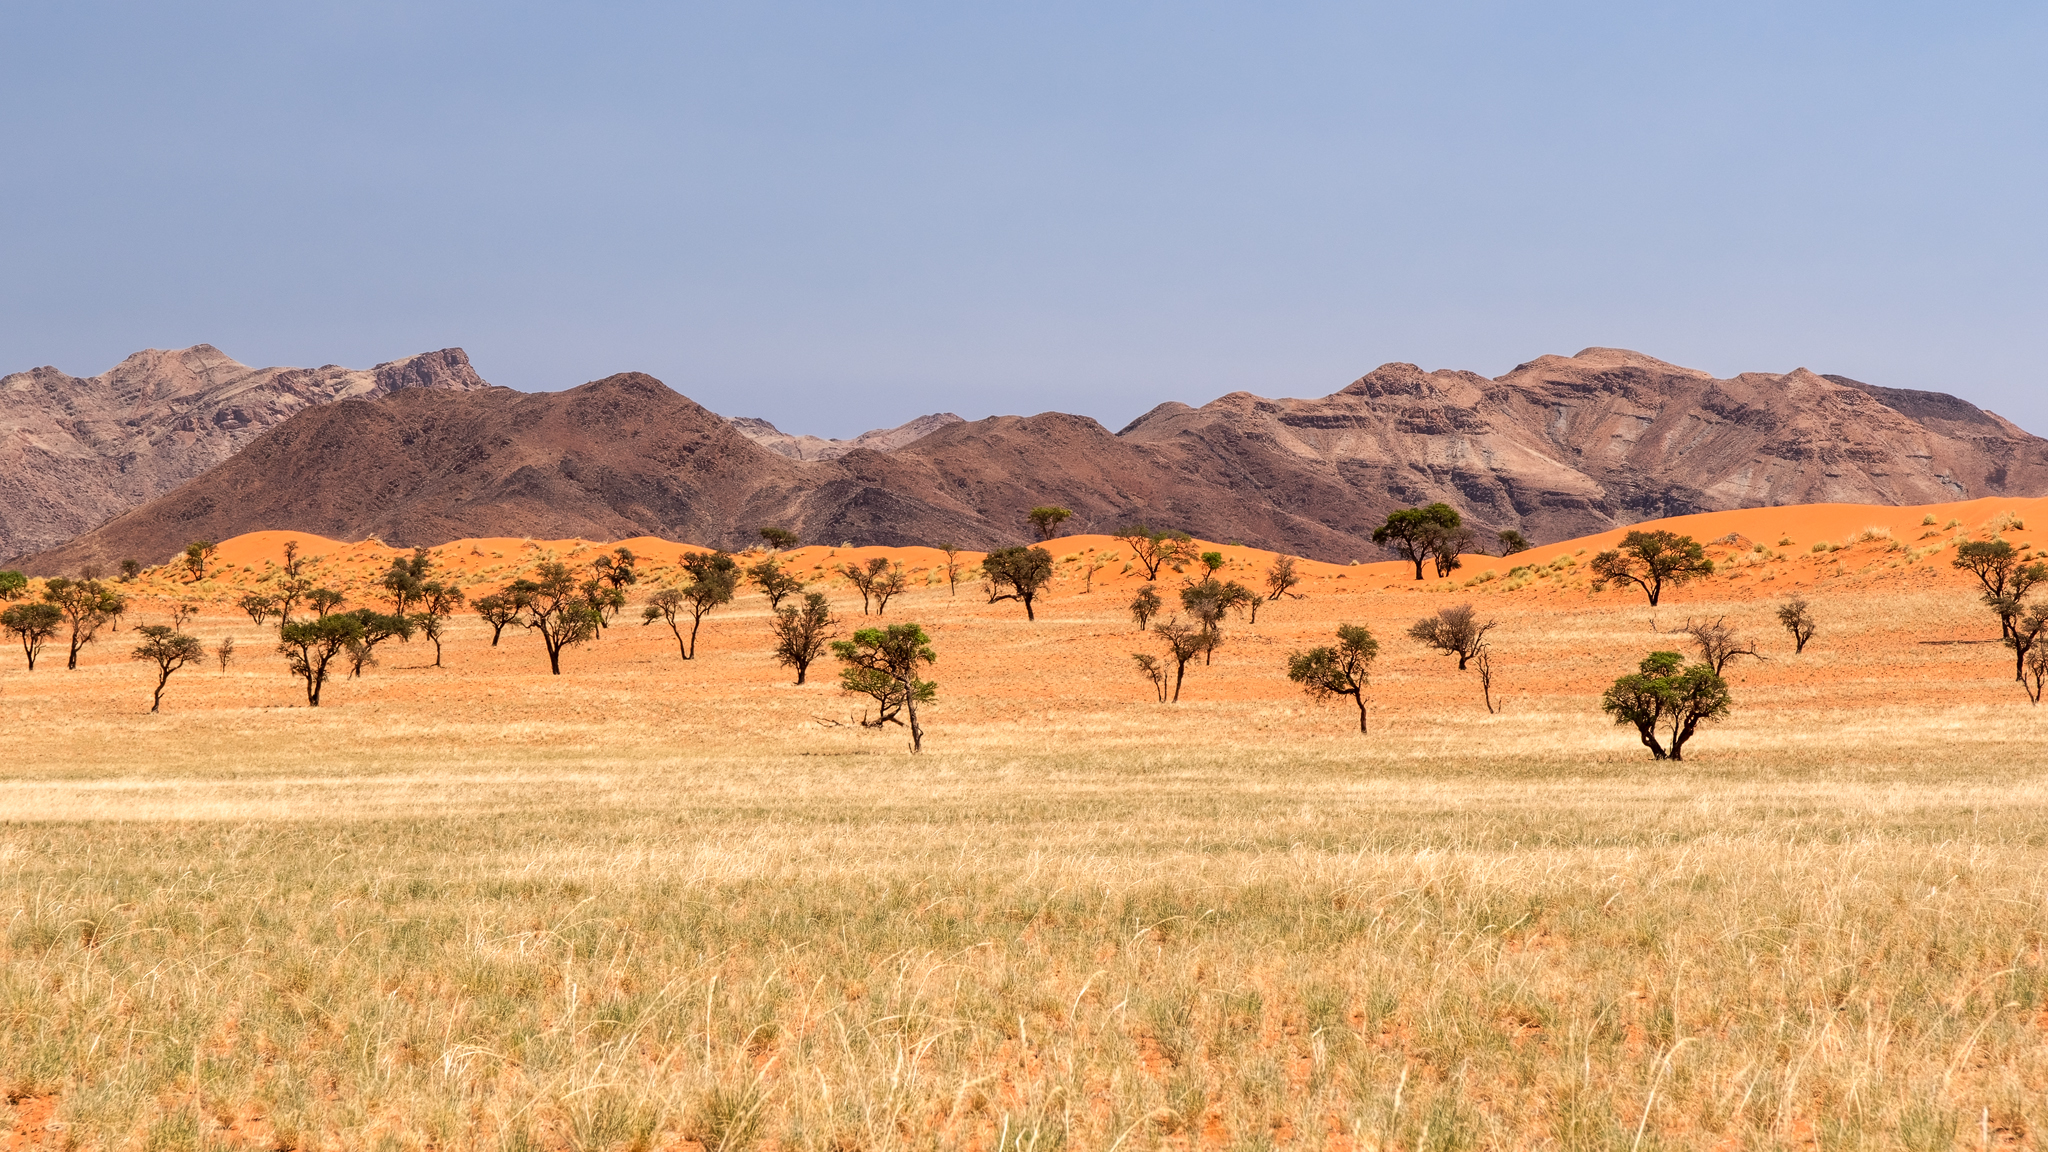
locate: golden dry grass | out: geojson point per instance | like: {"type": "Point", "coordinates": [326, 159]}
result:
{"type": "Point", "coordinates": [652, 903]}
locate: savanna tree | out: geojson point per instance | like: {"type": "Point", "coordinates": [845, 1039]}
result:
{"type": "Point", "coordinates": [225, 653]}
{"type": "Point", "coordinates": [953, 567]}
{"type": "Point", "coordinates": [1017, 574]}
{"type": "Point", "coordinates": [865, 577]}
{"type": "Point", "coordinates": [1652, 560]}
{"type": "Point", "coordinates": [887, 585]}
{"type": "Point", "coordinates": [1184, 642]}
{"type": "Point", "coordinates": [310, 648]}
{"type": "Point", "coordinates": [258, 606]}
{"type": "Point", "coordinates": [87, 605]}
{"type": "Point", "coordinates": [604, 598]}
{"type": "Point", "coordinates": [197, 554]}
{"type": "Point", "coordinates": [498, 609]}
{"type": "Point", "coordinates": [12, 584]}
{"type": "Point", "coordinates": [773, 582]}
{"type": "Point", "coordinates": [1341, 670]}
{"type": "Point", "coordinates": [1281, 579]}
{"type": "Point", "coordinates": [130, 569]}
{"type": "Point", "coordinates": [617, 569]}
{"type": "Point", "coordinates": [1718, 643]}
{"type": "Point", "coordinates": [2005, 575]}
{"type": "Point", "coordinates": [780, 539]}
{"type": "Point", "coordinates": [1046, 520]}
{"type": "Point", "coordinates": [553, 606]}
{"type": "Point", "coordinates": [2036, 672]}
{"type": "Point", "coordinates": [1797, 618]}
{"type": "Point", "coordinates": [1455, 631]}
{"type": "Point", "coordinates": [377, 628]}
{"type": "Point", "coordinates": [2029, 631]}
{"type": "Point", "coordinates": [1156, 548]}
{"type": "Point", "coordinates": [437, 602]}
{"type": "Point", "coordinates": [802, 631]}
{"type": "Point", "coordinates": [33, 625]}
{"type": "Point", "coordinates": [714, 578]}
{"type": "Point", "coordinates": [1145, 605]}
{"type": "Point", "coordinates": [324, 600]}
{"type": "Point", "coordinates": [1666, 693]}
{"type": "Point", "coordinates": [1512, 542]}
{"type": "Point", "coordinates": [1419, 535]}
{"type": "Point", "coordinates": [1154, 673]}
{"type": "Point", "coordinates": [404, 579]}
{"type": "Point", "coordinates": [170, 650]}
{"type": "Point", "coordinates": [884, 663]}
{"type": "Point", "coordinates": [1208, 600]}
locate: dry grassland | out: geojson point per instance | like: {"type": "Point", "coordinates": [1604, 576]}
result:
{"type": "Point", "coordinates": [658, 904]}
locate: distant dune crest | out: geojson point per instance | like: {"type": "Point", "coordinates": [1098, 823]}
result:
{"type": "Point", "coordinates": [1562, 446]}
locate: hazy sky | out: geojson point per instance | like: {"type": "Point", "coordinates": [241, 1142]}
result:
{"type": "Point", "coordinates": [842, 216]}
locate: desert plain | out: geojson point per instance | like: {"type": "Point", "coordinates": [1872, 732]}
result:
{"type": "Point", "coordinates": [657, 903]}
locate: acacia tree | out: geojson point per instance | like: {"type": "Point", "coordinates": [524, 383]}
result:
{"type": "Point", "coordinates": [405, 579]}
{"type": "Point", "coordinates": [2005, 576]}
{"type": "Point", "coordinates": [2036, 672]}
{"type": "Point", "coordinates": [1208, 601]}
{"type": "Point", "coordinates": [1024, 571]}
{"type": "Point", "coordinates": [1417, 535]}
{"type": "Point", "coordinates": [1454, 631]}
{"type": "Point", "coordinates": [1718, 643]}
{"type": "Point", "coordinates": [953, 567]}
{"type": "Point", "coordinates": [554, 607]}
{"type": "Point", "coordinates": [258, 606]}
{"type": "Point", "coordinates": [714, 579]}
{"type": "Point", "coordinates": [1184, 642]}
{"type": "Point", "coordinates": [1650, 560]}
{"type": "Point", "coordinates": [2028, 632]}
{"type": "Point", "coordinates": [865, 577]}
{"type": "Point", "coordinates": [617, 569]}
{"type": "Point", "coordinates": [781, 539]}
{"type": "Point", "coordinates": [12, 584]}
{"type": "Point", "coordinates": [497, 609]}
{"type": "Point", "coordinates": [377, 628]}
{"type": "Point", "coordinates": [1665, 691]}
{"type": "Point", "coordinates": [1344, 670]}
{"type": "Point", "coordinates": [1046, 520]}
{"type": "Point", "coordinates": [438, 602]}
{"type": "Point", "coordinates": [888, 659]}
{"type": "Point", "coordinates": [1154, 549]}
{"type": "Point", "coordinates": [311, 646]}
{"type": "Point", "coordinates": [170, 650]}
{"type": "Point", "coordinates": [292, 582]}
{"type": "Point", "coordinates": [1797, 617]}
{"type": "Point", "coordinates": [33, 625]}
{"type": "Point", "coordinates": [1512, 542]}
{"type": "Point", "coordinates": [1153, 671]}
{"type": "Point", "coordinates": [324, 601]}
{"type": "Point", "coordinates": [197, 554]}
{"type": "Point", "coordinates": [1281, 579]}
{"type": "Point", "coordinates": [1145, 605]}
{"type": "Point", "coordinates": [775, 583]}
{"type": "Point", "coordinates": [802, 631]}
{"type": "Point", "coordinates": [888, 584]}
{"type": "Point", "coordinates": [87, 604]}
{"type": "Point", "coordinates": [607, 600]}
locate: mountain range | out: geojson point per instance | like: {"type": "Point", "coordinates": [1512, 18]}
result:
{"type": "Point", "coordinates": [1557, 447]}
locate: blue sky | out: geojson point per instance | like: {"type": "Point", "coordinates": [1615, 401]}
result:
{"type": "Point", "coordinates": [842, 216]}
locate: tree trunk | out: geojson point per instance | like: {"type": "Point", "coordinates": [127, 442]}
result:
{"type": "Point", "coordinates": [910, 702]}
{"type": "Point", "coordinates": [554, 654]}
{"type": "Point", "coordinates": [156, 701]}
{"type": "Point", "coordinates": [1359, 696]}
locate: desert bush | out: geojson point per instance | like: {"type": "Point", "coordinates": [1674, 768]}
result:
{"type": "Point", "coordinates": [604, 599]}
{"type": "Point", "coordinates": [1209, 600]}
{"type": "Point", "coordinates": [883, 663]}
{"type": "Point", "coordinates": [1342, 670]}
{"type": "Point", "coordinates": [1796, 615]}
{"type": "Point", "coordinates": [33, 625]}
{"type": "Point", "coordinates": [169, 650]}
{"type": "Point", "coordinates": [1664, 691]}
{"type": "Point", "coordinates": [619, 568]}
{"type": "Point", "coordinates": [225, 653]}
{"type": "Point", "coordinates": [1046, 520]}
{"type": "Point", "coordinates": [324, 601]}
{"type": "Point", "coordinates": [1454, 631]}
{"type": "Point", "coordinates": [1651, 560]}
{"type": "Point", "coordinates": [404, 579]}
{"type": "Point", "coordinates": [1154, 673]}
{"type": "Point", "coordinates": [1717, 642]}
{"type": "Point", "coordinates": [801, 632]}
{"type": "Point", "coordinates": [1023, 571]}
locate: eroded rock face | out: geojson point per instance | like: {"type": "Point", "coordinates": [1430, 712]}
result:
{"type": "Point", "coordinates": [819, 448]}
{"type": "Point", "coordinates": [76, 451]}
{"type": "Point", "coordinates": [1559, 447]}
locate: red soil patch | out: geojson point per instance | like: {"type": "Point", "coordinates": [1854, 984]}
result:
{"type": "Point", "coordinates": [33, 1120]}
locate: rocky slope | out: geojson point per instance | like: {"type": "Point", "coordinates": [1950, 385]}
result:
{"type": "Point", "coordinates": [75, 451]}
{"type": "Point", "coordinates": [1559, 447]}
{"type": "Point", "coordinates": [819, 448]}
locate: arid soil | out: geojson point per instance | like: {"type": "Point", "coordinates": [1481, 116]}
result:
{"type": "Point", "coordinates": [656, 903]}
{"type": "Point", "coordinates": [76, 451]}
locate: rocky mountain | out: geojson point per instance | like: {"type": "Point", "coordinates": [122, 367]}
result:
{"type": "Point", "coordinates": [818, 448]}
{"type": "Point", "coordinates": [75, 451]}
{"type": "Point", "coordinates": [1559, 447]}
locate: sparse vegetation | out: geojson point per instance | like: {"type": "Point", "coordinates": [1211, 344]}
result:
{"type": "Point", "coordinates": [1156, 548]}
{"type": "Point", "coordinates": [1651, 561]}
{"type": "Point", "coordinates": [1342, 670]}
{"type": "Point", "coordinates": [802, 631]}
{"type": "Point", "coordinates": [1145, 605]}
{"type": "Point", "coordinates": [1796, 616]}
{"type": "Point", "coordinates": [169, 650]}
{"type": "Point", "coordinates": [1281, 579]}
{"type": "Point", "coordinates": [1718, 643]}
{"type": "Point", "coordinates": [774, 582]}
{"type": "Point", "coordinates": [1665, 692]}
{"type": "Point", "coordinates": [884, 663]}
{"type": "Point", "coordinates": [1017, 574]}
{"type": "Point", "coordinates": [198, 554]}
{"type": "Point", "coordinates": [1046, 521]}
